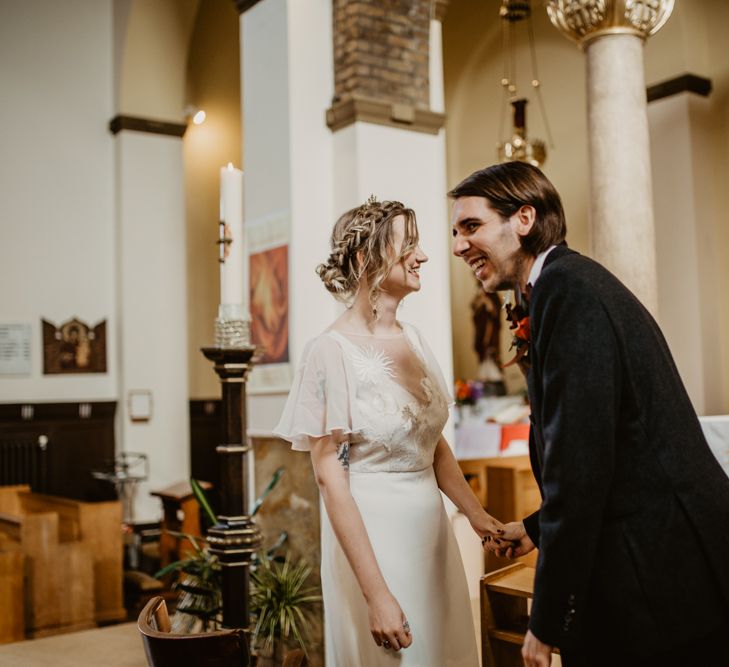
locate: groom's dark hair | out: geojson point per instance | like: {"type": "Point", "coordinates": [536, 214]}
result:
{"type": "Point", "coordinates": [511, 185]}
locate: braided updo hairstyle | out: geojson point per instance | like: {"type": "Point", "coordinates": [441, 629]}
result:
{"type": "Point", "coordinates": [362, 248]}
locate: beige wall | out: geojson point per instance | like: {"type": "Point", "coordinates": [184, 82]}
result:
{"type": "Point", "coordinates": [153, 53]}
{"type": "Point", "coordinates": [693, 41]}
{"type": "Point", "coordinates": [213, 84]}
{"type": "Point", "coordinates": [473, 67]}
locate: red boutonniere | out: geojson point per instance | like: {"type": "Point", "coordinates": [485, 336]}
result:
{"type": "Point", "coordinates": [518, 317]}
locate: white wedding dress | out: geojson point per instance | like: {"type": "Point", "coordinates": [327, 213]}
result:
{"type": "Point", "coordinates": [388, 395]}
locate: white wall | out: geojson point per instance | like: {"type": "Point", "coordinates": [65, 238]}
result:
{"type": "Point", "coordinates": [56, 196]}
{"type": "Point", "coordinates": [88, 231]}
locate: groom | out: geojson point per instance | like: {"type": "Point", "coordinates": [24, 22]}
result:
{"type": "Point", "coordinates": [633, 529]}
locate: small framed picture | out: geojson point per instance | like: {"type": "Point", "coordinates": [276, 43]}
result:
{"type": "Point", "coordinates": [139, 404]}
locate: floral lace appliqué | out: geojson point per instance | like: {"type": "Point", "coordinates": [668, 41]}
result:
{"type": "Point", "coordinates": [372, 365]}
{"type": "Point", "coordinates": [321, 387]}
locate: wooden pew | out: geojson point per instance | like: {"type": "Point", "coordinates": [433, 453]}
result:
{"type": "Point", "coordinates": [73, 559]}
{"type": "Point", "coordinates": [12, 598]}
{"type": "Point", "coordinates": [59, 577]}
{"type": "Point", "coordinates": [97, 526]}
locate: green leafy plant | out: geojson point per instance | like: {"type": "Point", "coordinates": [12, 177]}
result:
{"type": "Point", "coordinates": [199, 606]}
{"type": "Point", "coordinates": [281, 602]}
{"type": "Point", "coordinates": [200, 586]}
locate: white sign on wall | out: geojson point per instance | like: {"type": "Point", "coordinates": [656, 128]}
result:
{"type": "Point", "coordinates": [15, 349]}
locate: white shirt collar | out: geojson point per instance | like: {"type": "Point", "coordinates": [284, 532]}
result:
{"type": "Point", "coordinates": [538, 265]}
{"type": "Point", "coordinates": [534, 273]}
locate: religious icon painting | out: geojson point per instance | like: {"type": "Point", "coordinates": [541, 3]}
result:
{"type": "Point", "coordinates": [74, 347]}
{"type": "Point", "coordinates": [268, 247]}
{"type": "Point", "coordinates": [269, 299]}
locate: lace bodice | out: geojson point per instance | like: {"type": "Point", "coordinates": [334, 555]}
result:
{"type": "Point", "coordinates": [386, 395]}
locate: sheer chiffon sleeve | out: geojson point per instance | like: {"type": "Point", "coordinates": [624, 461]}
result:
{"type": "Point", "coordinates": [322, 397]}
{"type": "Point", "coordinates": [431, 364]}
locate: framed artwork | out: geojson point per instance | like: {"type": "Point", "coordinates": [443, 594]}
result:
{"type": "Point", "coordinates": [15, 349]}
{"type": "Point", "coordinates": [269, 301]}
{"type": "Point", "coordinates": [74, 347]}
{"type": "Point", "coordinates": [268, 242]}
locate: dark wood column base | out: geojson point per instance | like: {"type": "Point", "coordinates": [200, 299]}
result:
{"type": "Point", "coordinates": [235, 538]}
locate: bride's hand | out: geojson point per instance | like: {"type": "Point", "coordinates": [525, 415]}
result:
{"type": "Point", "coordinates": [486, 526]}
{"type": "Point", "coordinates": [388, 624]}
{"type": "Point", "coordinates": [513, 543]}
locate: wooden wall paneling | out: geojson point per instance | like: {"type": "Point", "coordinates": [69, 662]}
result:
{"type": "Point", "coordinates": [80, 439]}
{"type": "Point", "coordinates": [205, 436]}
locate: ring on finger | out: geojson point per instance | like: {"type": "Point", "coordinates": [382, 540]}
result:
{"type": "Point", "coordinates": [406, 627]}
{"type": "Point", "coordinates": [386, 644]}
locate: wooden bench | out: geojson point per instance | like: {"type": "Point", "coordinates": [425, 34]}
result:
{"type": "Point", "coordinates": [97, 526]}
{"type": "Point", "coordinates": [12, 599]}
{"type": "Point", "coordinates": [73, 559]}
{"type": "Point", "coordinates": [505, 604]}
{"type": "Point", "coordinates": [59, 577]}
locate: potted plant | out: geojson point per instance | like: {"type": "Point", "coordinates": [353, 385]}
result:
{"type": "Point", "coordinates": [280, 600]}
{"type": "Point", "coordinates": [281, 603]}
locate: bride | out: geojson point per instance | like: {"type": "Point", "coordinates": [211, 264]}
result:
{"type": "Point", "coordinates": [369, 403]}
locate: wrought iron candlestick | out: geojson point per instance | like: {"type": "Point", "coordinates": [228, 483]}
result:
{"type": "Point", "coordinates": [235, 537]}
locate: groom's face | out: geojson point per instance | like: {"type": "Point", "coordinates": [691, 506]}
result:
{"type": "Point", "coordinates": [487, 243]}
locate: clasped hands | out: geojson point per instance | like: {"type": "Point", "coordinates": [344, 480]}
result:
{"type": "Point", "coordinates": [509, 540]}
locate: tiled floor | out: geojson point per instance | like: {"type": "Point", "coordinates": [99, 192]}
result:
{"type": "Point", "coordinates": [112, 646]}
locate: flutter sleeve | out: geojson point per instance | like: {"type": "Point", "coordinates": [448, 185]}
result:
{"type": "Point", "coordinates": [428, 358]}
{"type": "Point", "coordinates": [322, 397]}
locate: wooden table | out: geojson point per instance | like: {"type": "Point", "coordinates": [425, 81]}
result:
{"type": "Point", "coordinates": [181, 514]}
{"type": "Point", "coordinates": [505, 604]}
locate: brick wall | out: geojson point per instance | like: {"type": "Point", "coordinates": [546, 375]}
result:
{"type": "Point", "coordinates": [381, 50]}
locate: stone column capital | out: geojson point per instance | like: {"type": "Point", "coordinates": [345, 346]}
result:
{"type": "Point", "coordinates": [440, 7]}
{"type": "Point", "coordinates": [586, 20]}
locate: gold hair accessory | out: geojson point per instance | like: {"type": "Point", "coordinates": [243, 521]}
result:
{"type": "Point", "coordinates": [371, 201]}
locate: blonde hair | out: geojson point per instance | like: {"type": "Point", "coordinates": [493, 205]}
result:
{"type": "Point", "coordinates": [362, 248]}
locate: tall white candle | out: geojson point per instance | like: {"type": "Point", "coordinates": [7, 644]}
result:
{"type": "Point", "coordinates": [233, 274]}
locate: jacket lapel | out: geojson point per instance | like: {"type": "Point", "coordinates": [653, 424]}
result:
{"type": "Point", "coordinates": [536, 446]}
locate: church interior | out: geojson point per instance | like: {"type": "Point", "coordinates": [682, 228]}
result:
{"type": "Point", "coordinates": [140, 139]}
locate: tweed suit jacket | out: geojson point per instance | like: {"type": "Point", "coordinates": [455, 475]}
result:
{"type": "Point", "coordinates": [633, 529]}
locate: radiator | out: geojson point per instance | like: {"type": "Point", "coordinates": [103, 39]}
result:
{"type": "Point", "coordinates": [24, 460]}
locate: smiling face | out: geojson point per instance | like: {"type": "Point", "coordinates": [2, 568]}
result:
{"type": "Point", "coordinates": [491, 245]}
{"type": "Point", "coordinates": [404, 277]}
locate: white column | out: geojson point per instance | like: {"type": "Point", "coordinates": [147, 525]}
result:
{"type": "Point", "coordinates": [152, 310]}
{"type": "Point", "coordinates": [612, 34]}
{"type": "Point", "coordinates": [288, 162]}
{"type": "Point", "coordinates": [621, 201]}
